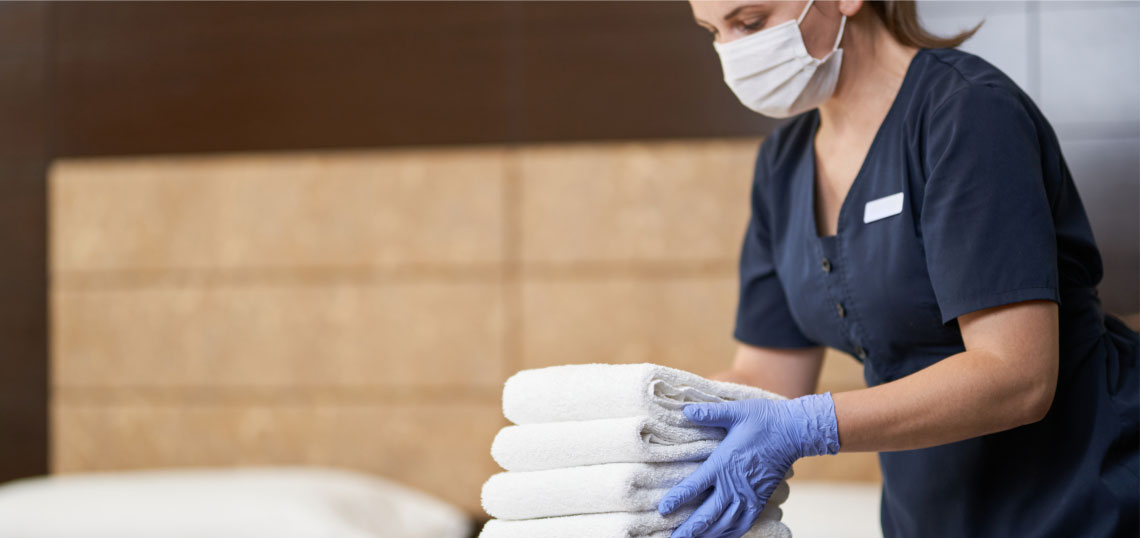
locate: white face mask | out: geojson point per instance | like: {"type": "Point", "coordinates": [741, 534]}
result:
{"type": "Point", "coordinates": [772, 73]}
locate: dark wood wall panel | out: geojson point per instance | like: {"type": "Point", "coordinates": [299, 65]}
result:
{"type": "Point", "coordinates": [23, 319]}
{"type": "Point", "coordinates": [622, 70]}
{"type": "Point", "coordinates": [175, 77]}
{"type": "Point", "coordinates": [24, 152]}
{"type": "Point", "coordinates": [188, 77]}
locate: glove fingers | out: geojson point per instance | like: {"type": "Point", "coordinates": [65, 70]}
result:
{"type": "Point", "coordinates": [749, 507]}
{"type": "Point", "coordinates": [740, 527]}
{"type": "Point", "coordinates": [743, 523]}
{"type": "Point", "coordinates": [766, 488]}
{"type": "Point", "coordinates": [720, 415]}
{"type": "Point", "coordinates": [727, 520]}
{"type": "Point", "coordinates": [688, 488]}
{"type": "Point", "coordinates": [707, 514]}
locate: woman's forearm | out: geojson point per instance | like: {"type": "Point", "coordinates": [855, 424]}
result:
{"type": "Point", "coordinates": [962, 396]}
{"type": "Point", "coordinates": [788, 372]}
{"type": "Point", "coordinates": [1006, 378]}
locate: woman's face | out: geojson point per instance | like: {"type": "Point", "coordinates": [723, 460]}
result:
{"type": "Point", "coordinates": [729, 20]}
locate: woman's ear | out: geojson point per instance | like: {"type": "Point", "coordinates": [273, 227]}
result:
{"type": "Point", "coordinates": [850, 7]}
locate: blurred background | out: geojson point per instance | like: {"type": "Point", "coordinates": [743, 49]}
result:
{"type": "Point", "coordinates": [325, 233]}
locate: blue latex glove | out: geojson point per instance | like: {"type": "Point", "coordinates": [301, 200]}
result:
{"type": "Point", "coordinates": [764, 438]}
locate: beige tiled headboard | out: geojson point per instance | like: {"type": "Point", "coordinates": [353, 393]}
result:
{"type": "Point", "coordinates": [361, 309]}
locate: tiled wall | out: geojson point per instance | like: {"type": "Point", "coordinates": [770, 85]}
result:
{"type": "Point", "coordinates": [362, 309]}
{"type": "Point", "coordinates": [342, 309]}
{"type": "Point", "coordinates": [1078, 61]}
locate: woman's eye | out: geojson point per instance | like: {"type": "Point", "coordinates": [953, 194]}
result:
{"type": "Point", "coordinates": [752, 26]}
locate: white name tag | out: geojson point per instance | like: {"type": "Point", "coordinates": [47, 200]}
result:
{"type": "Point", "coordinates": [883, 207]}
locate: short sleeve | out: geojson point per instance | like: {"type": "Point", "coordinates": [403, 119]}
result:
{"type": "Point", "coordinates": [763, 318]}
{"type": "Point", "coordinates": [986, 222]}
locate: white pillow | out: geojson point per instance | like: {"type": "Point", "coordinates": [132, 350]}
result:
{"type": "Point", "coordinates": [224, 503]}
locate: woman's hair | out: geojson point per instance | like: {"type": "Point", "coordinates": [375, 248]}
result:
{"type": "Point", "coordinates": [901, 20]}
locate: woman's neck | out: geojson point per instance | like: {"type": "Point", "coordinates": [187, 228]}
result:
{"type": "Point", "coordinates": [874, 65]}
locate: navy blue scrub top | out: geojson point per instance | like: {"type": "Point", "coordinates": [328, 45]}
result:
{"type": "Point", "coordinates": [988, 216]}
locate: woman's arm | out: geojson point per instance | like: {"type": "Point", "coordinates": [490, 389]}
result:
{"type": "Point", "coordinates": [1006, 378]}
{"type": "Point", "coordinates": [790, 372]}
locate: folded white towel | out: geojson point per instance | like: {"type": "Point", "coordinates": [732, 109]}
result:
{"type": "Point", "coordinates": [591, 489]}
{"type": "Point", "coordinates": [597, 445]}
{"type": "Point", "coordinates": [619, 525]}
{"type": "Point", "coordinates": [553, 445]}
{"type": "Point", "coordinates": [595, 391]}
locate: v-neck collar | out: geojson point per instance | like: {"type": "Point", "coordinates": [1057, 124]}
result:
{"type": "Point", "coordinates": [902, 95]}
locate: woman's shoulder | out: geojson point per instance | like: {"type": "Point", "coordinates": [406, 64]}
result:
{"type": "Point", "coordinates": [960, 68]}
{"type": "Point", "coordinates": [966, 115]}
{"type": "Point", "coordinates": [951, 76]}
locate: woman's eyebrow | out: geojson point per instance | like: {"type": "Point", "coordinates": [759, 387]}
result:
{"type": "Point", "coordinates": [735, 10]}
{"type": "Point", "coordinates": [727, 16]}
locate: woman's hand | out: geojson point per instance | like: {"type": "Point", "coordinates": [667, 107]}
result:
{"type": "Point", "coordinates": [764, 438]}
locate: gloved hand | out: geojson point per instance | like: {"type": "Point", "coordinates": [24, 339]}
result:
{"type": "Point", "coordinates": [764, 438]}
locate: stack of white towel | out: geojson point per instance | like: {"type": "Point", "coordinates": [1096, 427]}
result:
{"type": "Point", "coordinates": [595, 447]}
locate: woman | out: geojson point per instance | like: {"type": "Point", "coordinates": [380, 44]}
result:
{"type": "Point", "coordinates": [917, 214]}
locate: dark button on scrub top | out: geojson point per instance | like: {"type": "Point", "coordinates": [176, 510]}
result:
{"type": "Point", "coordinates": [963, 203]}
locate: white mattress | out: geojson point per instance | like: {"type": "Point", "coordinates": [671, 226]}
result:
{"type": "Point", "coordinates": [224, 503]}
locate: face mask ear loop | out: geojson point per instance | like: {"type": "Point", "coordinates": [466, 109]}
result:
{"type": "Point", "coordinates": [800, 19]}
{"type": "Point", "coordinates": [839, 37]}
{"type": "Point", "coordinates": [842, 24]}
